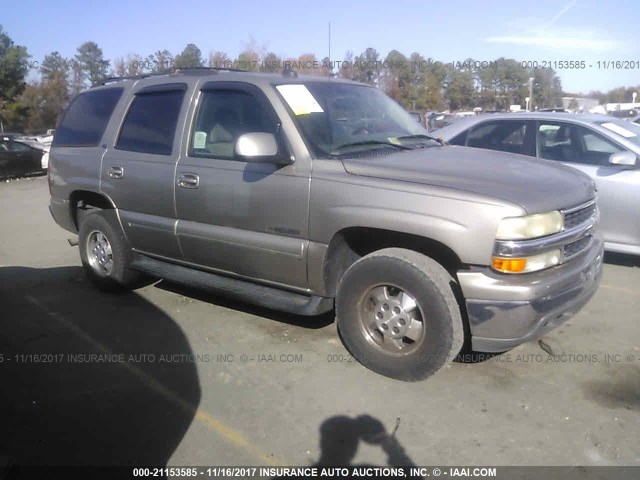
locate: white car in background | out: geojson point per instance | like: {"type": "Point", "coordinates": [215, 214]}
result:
{"type": "Point", "coordinates": [605, 148]}
{"type": "Point", "coordinates": [45, 141]}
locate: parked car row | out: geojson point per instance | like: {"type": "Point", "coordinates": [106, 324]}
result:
{"type": "Point", "coordinates": [605, 148]}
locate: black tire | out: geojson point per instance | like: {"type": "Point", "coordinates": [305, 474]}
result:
{"type": "Point", "coordinates": [427, 285]}
{"type": "Point", "coordinates": [119, 277]}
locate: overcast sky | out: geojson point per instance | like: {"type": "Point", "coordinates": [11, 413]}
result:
{"type": "Point", "coordinates": [541, 30]}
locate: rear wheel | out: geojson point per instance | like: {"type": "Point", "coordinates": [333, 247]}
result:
{"type": "Point", "coordinates": [397, 314]}
{"type": "Point", "coordinates": [105, 252]}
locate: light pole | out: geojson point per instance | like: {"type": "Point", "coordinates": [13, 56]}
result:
{"type": "Point", "coordinates": [633, 96]}
{"type": "Point", "coordinates": [530, 102]}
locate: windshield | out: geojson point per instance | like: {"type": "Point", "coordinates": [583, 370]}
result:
{"type": "Point", "coordinates": [628, 130]}
{"type": "Point", "coordinates": [339, 119]}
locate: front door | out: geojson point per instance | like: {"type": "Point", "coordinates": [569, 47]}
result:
{"type": "Point", "coordinates": [244, 218]}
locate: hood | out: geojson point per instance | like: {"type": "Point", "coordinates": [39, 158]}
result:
{"type": "Point", "coordinates": [536, 185]}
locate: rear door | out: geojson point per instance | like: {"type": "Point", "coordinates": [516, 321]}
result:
{"type": "Point", "coordinates": [138, 170]}
{"type": "Point", "coordinates": [244, 218]}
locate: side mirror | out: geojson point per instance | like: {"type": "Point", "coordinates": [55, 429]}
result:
{"type": "Point", "coordinates": [259, 147]}
{"type": "Point", "coordinates": [623, 158]}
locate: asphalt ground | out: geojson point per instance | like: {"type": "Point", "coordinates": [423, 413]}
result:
{"type": "Point", "coordinates": [171, 376]}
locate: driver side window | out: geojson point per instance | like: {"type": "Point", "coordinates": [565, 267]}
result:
{"type": "Point", "coordinates": [222, 117]}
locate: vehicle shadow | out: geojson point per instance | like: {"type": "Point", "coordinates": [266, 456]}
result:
{"type": "Point", "coordinates": [340, 437]}
{"type": "Point", "coordinates": [622, 259]}
{"type": "Point", "coordinates": [89, 378]}
{"type": "Point", "coordinates": [314, 322]}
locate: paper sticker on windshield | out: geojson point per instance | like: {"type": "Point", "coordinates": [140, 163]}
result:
{"type": "Point", "coordinates": [619, 130]}
{"type": "Point", "coordinates": [299, 99]}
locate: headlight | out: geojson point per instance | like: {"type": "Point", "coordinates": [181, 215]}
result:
{"type": "Point", "coordinates": [526, 264]}
{"type": "Point", "coordinates": [530, 226]}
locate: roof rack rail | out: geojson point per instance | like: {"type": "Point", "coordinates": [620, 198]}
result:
{"type": "Point", "coordinates": [287, 71]}
{"type": "Point", "coordinates": [128, 77]}
{"type": "Point", "coordinates": [204, 69]}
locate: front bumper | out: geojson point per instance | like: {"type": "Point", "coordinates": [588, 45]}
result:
{"type": "Point", "coordinates": [507, 310]}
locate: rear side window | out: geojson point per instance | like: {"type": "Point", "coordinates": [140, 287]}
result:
{"type": "Point", "coordinates": [86, 118]}
{"type": "Point", "coordinates": [150, 124]}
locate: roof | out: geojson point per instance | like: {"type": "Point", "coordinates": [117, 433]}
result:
{"type": "Point", "coordinates": [221, 75]}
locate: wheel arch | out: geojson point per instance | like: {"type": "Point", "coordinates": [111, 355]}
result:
{"type": "Point", "coordinates": [81, 200]}
{"type": "Point", "coordinates": [352, 243]}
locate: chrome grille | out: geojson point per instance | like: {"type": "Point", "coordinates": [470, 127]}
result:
{"type": "Point", "coordinates": [574, 218]}
{"type": "Point", "coordinates": [574, 248]}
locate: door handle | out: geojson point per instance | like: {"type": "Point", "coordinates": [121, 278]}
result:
{"type": "Point", "coordinates": [116, 171]}
{"type": "Point", "coordinates": [189, 180]}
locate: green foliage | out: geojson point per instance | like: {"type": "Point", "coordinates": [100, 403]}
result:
{"type": "Point", "coordinates": [45, 101]}
{"type": "Point", "coordinates": [54, 67]}
{"type": "Point", "coordinates": [367, 66]}
{"type": "Point", "coordinates": [248, 60]}
{"type": "Point", "coordinates": [161, 61]}
{"type": "Point", "coordinates": [191, 57]}
{"type": "Point", "coordinates": [89, 65]}
{"type": "Point", "coordinates": [13, 70]}
{"type": "Point", "coordinates": [219, 59]}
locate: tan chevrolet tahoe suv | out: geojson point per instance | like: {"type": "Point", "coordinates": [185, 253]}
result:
{"type": "Point", "coordinates": [312, 194]}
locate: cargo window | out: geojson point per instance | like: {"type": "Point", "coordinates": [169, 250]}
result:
{"type": "Point", "coordinates": [150, 124]}
{"type": "Point", "coordinates": [86, 118]}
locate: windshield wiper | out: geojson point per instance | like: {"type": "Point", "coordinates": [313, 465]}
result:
{"type": "Point", "coordinates": [422, 136]}
{"type": "Point", "coordinates": [374, 143]}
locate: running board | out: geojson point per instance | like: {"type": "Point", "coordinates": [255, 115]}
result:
{"type": "Point", "coordinates": [261, 295]}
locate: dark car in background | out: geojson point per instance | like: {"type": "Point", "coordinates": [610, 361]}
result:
{"type": "Point", "coordinates": [18, 158]}
{"type": "Point", "coordinates": [604, 147]}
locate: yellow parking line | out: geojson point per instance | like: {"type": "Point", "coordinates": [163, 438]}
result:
{"type": "Point", "coordinates": [203, 417]}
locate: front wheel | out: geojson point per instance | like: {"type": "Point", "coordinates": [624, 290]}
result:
{"type": "Point", "coordinates": [397, 314]}
{"type": "Point", "coordinates": [105, 252]}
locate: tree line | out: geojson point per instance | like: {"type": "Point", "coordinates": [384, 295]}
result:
{"type": "Point", "coordinates": [416, 82]}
